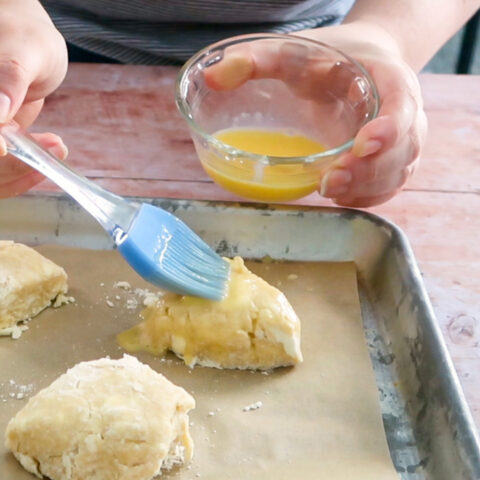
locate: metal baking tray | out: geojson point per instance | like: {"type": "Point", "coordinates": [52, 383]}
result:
{"type": "Point", "coordinates": [430, 431]}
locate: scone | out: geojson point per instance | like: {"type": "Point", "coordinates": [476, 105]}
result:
{"type": "Point", "coordinates": [29, 283]}
{"type": "Point", "coordinates": [254, 327]}
{"type": "Point", "coordinates": [103, 420]}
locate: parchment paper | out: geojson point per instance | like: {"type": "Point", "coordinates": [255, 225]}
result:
{"type": "Point", "coordinates": [319, 420]}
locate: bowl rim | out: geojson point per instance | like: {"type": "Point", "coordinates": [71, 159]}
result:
{"type": "Point", "coordinates": [185, 110]}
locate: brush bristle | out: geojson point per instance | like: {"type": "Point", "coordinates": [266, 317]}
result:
{"type": "Point", "coordinates": [166, 252]}
{"type": "Point", "coordinates": [190, 261]}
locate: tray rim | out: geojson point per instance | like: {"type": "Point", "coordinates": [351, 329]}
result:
{"type": "Point", "coordinates": [449, 381]}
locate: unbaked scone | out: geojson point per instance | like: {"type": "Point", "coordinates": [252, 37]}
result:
{"type": "Point", "coordinates": [103, 420]}
{"type": "Point", "coordinates": [29, 283]}
{"type": "Point", "coordinates": [253, 327]}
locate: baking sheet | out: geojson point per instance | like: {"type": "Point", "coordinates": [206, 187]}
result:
{"type": "Point", "coordinates": [430, 431]}
{"type": "Point", "coordinates": [320, 419]}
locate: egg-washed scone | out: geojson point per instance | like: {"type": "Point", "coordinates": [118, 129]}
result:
{"type": "Point", "coordinates": [104, 419]}
{"type": "Point", "coordinates": [29, 283]}
{"type": "Point", "coordinates": [254, 327]}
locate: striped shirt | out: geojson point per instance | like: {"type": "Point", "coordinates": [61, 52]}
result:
{"type": "Point", "coordinates": [170, 31]}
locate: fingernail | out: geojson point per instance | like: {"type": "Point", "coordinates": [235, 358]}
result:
{"type": "Point", "coordinates": [60, 151]}
{"type": "Point", "coordinates": [367, 148]}
{"type": "Point", "coordinates": [230, 73]}
{"type": "Point", "coordinates": [3, 147]}
{"type": "Point", "coordinates": [5, 105]}
{"type": "Point", "coordinates": [335, 182]}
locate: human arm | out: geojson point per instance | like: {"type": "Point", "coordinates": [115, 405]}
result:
{"type": "Point", "coordinates": [393, 40]}
{"type": "Point", "coordinates": [418, 28]}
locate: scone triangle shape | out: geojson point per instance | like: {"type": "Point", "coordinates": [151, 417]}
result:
{"type": "Point", "coordinates": [254, 327]}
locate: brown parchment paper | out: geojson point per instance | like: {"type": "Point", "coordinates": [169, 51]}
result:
{"type": "Point", "coordinates": [319, 420]}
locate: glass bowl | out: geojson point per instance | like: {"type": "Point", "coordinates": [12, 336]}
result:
{"type": "Point", "coordinates": [273, 137]}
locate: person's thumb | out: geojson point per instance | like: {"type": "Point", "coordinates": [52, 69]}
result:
{"type": "Point", "coordinates": [236, 67]}
{"type": "Point", "coordinates": [5, 106]}
{"type": "Point", "coordinates": [14, 83]}
{"type": "Point", "coordinates": [257, 59]}
{"type": "Point", "coordinates": [15, 78]}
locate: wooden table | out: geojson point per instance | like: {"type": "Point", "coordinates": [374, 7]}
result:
{"type": "Point", "coordinates": [123, 131]}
